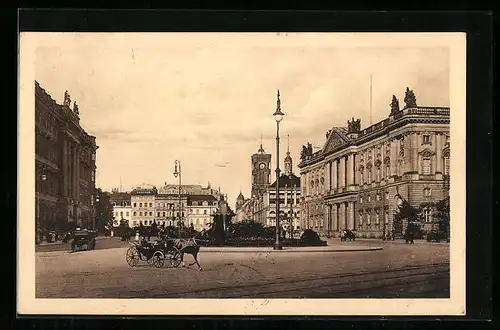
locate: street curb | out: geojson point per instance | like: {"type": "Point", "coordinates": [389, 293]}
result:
{"type": "Point", "coordinates": [292, 250]}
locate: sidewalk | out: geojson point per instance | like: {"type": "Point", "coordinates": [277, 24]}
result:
{"type": "Point", "coordinates": [334, 248]}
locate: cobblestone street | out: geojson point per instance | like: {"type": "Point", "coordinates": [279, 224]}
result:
{"type": "Point", "coordinates": [397, 271]}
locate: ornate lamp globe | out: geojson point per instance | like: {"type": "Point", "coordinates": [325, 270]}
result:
{"type": "Point", "coordinates": [278, 115]}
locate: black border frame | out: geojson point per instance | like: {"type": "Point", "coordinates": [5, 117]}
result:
{"type": "Point", "coordinates": [479, 29]}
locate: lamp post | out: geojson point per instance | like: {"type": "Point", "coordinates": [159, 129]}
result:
{"type": "Point", "coordinates": [41, 177]}
{"type": "Point", "coordinates": [178, 173]}
{"type": "Point", "coordinates": [95, 212]}
{"type": "Point", "coordinates": [278, 116]}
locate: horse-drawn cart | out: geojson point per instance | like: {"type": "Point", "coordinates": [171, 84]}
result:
{"type": "Point", "coordinates": [83, 241]}
{"type": "Point", "coordinates": [154, 253]}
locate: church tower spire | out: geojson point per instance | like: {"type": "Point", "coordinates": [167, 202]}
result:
{"type": "Point", "coordinates": [288, 159]}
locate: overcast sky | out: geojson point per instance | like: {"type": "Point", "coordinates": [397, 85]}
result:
{"type": "Point", "coordinates": [207, 98]}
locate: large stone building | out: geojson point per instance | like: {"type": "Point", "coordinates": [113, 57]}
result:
{"type": "Point", "coordinates": [359, 177]}
{"type": "Point", "coordinates": [264, 208]}
{"type": "Point", "coordinates": [65, 164]}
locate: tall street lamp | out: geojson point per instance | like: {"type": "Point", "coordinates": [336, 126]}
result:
{"type": "Point", "coordinates": [41, 177]}
{"type": "Point", "coordinates": [278, 116]}
{"type": "Point", "coordinates": [95, 211]}
{"type": "Point", "coordinates": [178, 173]}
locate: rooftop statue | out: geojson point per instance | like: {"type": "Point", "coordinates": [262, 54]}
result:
{"type": "Point", "coordinates": [410, 99]}
{"type": "Point", "coordinates": [67, 99]}
{"type": "Point", "coordinates": [394, 105]}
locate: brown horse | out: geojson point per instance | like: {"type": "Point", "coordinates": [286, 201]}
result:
{"type": "Point", "coordinates": [189, 246]}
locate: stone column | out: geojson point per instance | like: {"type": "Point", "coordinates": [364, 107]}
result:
{"type": "Point", "coordinates": [335, 174]}
{"type": "Point", "coordinates": [438, 146]}
{"type": "Point", "coordinates": [78, 151]}
{"type": "Point", "coordinates": [394, 157]}
{"type": "Point", "coordinates": [335, 218]}
{"type": "Point", "coordinates": [350, 216]}
{"type": "Point", "coordinates": [328, 179]}
{"type": "Point", "coordinates": [342, 173]}
{"type": "Point", "coordinates": [342, 218]}
{"type": "Point", "coordinates": [350, 168]}
{"type": "Point", "coordinates": [65, 168]}
{"type": "Point", "coordinates": [326, 218]}
{"type": "Point", "coordinates": [73, 171]}
{"type": "Point", "coordinates": [414, 151]}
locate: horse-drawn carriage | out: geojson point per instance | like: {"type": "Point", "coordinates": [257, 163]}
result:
{"type": "Point", "coordinates": [347, 235]}
{"type": "Point", "coordinates": [154, 253]}
{"type": "Point", "coordinates": [83, 240]}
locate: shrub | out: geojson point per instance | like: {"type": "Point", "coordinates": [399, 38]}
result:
{"type": "Point", "coordinates": [310, 237]}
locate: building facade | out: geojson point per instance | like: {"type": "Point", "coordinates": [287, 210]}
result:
{"type": "Point", "coordinates": [122, 207]}
{"type": "Point", "coordinates": [359, 177]}
{"type": "Point", "coordinates": [201, 209]}
{"type": "Point", "coordinates": [143, 205]}
{"type": "Point", "coordinates": [65, 165]}
{"type": "Point", "coordinates": [195, 205]}
{"type": "Point", "coordinates": [263, 204]}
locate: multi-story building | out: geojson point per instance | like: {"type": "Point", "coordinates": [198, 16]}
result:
{"type": "Point", "coordinates": [165, 206]}
{"type": "Point", "coordinates": [143, 205]}
{"type": "Point", "coordinates": [201, 209]}
{"type": "Point", "coordinates": [264, 207]}
{"type": "Point", "coordinates": [359, 177]}
{"type": "Point", "coordinates": [65, 164]}
{"type": "Point", "coordinates": [122, 207]}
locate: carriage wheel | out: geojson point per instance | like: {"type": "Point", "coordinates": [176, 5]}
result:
{"type": "Point", "coordinates": [175, 258]}
{"type": "Point", "coordinates": [132, 256]}
{"type": "Point", "coordinates": [158, 259]}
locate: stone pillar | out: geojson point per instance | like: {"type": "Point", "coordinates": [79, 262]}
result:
{"type": "Point", "coordinates": [335, 218]}
{"type": "Point", "coordinates": [394, 157]}
{"type": "Point", "coordinates": [438, 146]}
{"type": "Point", "coordinates": [78, 174]}
{"type": "Point", "coordinates": [350, 168]}
{"type": "Point", "coordinates": [414, 151]}
{"type": "Point", "coordinates": [65, 168]}
{"type": "Point", "coordinates": [350, 216]}
{"type": "Point", "coordinates": [335, 174]}
{"type": "Point", "coordinates": [73, 171]}
{"type": "Point", "coordinates": [326, 218]}
{"type": "Point", "coordinates": [328, 179]}
{"type": "Point", "coordinates": [342, 173]}
{"type": "Point", "coordinates": [342, 218]}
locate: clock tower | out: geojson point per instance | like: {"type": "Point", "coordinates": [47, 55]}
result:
{"type": "Point", "coordinates": [261, 171]}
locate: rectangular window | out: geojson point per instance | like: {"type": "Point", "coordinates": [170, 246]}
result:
{"type": "Point", "coordinates": [426, 139]}
{"type": "Point", "coordinates": [150, 204]}
{"type": "Point", "coordinates": [135, 204]}
{"type": "Point", "coordinates": [426, 166]}
{"type": "Point", "coordinates": [135, 214]}
{"type": "Point", "coordinates": [204, 211]}
{"type": "Point", "coordinates": [427, 215]}
{"type": "Point", "coordinates": [121, 214]}
{"type": "Point", "coordinates": [157, 214]}
{"type": "Point", "coordinates": [140, 214]}
{"type": "Point", "coordinates": [150, 213]}
{"type": "Point", "coordinates": [128, 214]}
{"type": "Point", "coordinates": [163, 213]}
{"type": "Point", "coordinates": [447, 166]}
{"type": "Point", "coordinates": [140, 204]}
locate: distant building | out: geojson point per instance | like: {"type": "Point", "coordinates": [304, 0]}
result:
{"type": "Point", "coordinates": [65, 164]}
{"type": "Point", "coordinates": [195, 205]}
{"type": "Point", "coordinates": [262, 204]}
{"type": "Point", "coordinates": [122, 207]}
{"type": "Point", "coordinates": [143, 205]}
{"type": "Point", "coordinates": [359, 176]}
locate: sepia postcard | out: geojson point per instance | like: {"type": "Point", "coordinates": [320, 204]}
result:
{"type": "Point", "coordinates": [241, 174]}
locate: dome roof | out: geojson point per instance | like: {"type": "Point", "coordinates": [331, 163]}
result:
{"type": "Point", "coordinates": [240, 197]}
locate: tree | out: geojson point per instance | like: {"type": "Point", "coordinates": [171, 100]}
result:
{"type": "Point", "coordinates": [443, 217]}
{"type": "Point", "coordinates": [407, 213]}
{"type": "Point", "coordinates": [103, 210]}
